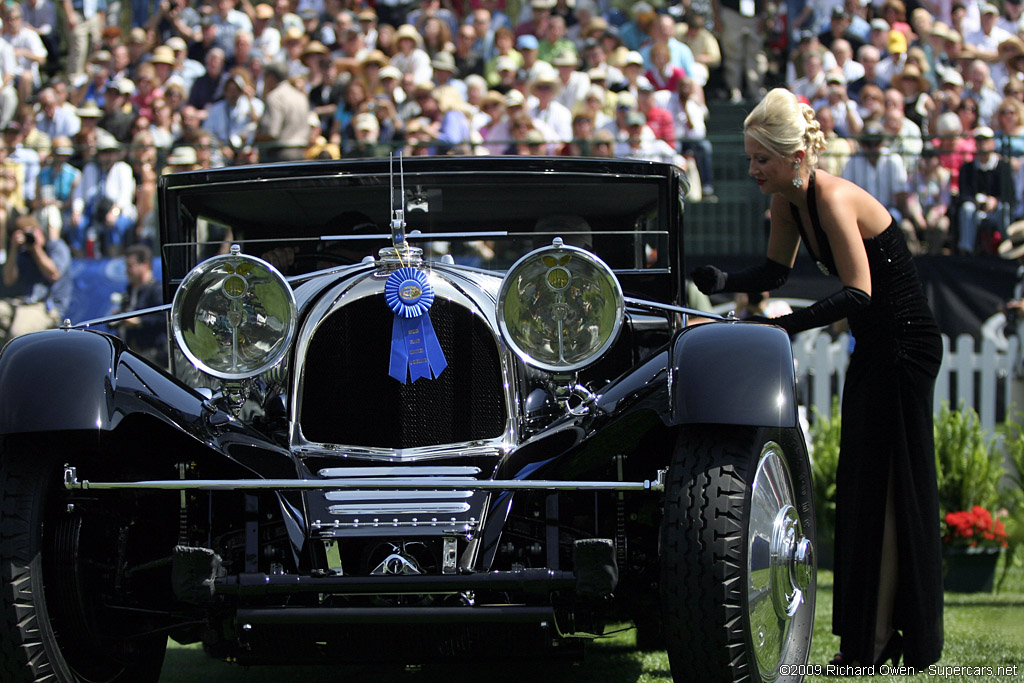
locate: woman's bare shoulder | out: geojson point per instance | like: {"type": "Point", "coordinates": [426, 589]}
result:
{"type": "Point", "coordinates": [840, 198]}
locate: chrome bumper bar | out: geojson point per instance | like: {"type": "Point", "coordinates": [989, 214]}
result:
{"type": "Point", "coordinates": [72, 482]}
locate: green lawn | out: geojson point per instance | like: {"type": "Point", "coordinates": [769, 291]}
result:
{"type": "Point", "coordinates": [982, 630]}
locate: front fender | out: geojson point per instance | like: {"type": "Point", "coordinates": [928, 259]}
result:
{"type": "Point", "coordinates": [85, 380]}
{"type": "Point", "coordinates": [733, 373]}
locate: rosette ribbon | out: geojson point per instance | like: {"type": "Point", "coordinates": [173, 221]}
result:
{"type": "Point", "coordinates": [415, 351]}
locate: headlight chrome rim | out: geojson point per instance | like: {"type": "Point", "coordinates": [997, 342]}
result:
{"type": "Point", "coordinates": [245, 282]}
{"type": "Point", "coordinates": [559, 279]}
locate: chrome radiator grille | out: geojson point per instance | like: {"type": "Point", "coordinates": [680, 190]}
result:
{"type": "Point", "coordinates": [349, 398]}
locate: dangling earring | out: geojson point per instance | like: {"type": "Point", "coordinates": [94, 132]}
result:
{"type": "Point", "coordinates": [798, 182]}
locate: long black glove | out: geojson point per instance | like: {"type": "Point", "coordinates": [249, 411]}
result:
{"type": "Point", "coordinates": [825, 312]}
{"type": "Point", "coordinates": [765, 277]}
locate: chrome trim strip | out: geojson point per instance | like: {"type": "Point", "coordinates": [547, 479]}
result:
{"type": "Point", "coordinates": [399, 509]}
{"type": "Point", "coordinates": [429, 527]}
{"type": "Point", "coordinates": [343, 472]}
{"type": "Point", "coordinates": [389, 495]}
{"type": "Point", "coordinates": [657, 306]}
{"type": "Point", "coordinates": [71, 481]}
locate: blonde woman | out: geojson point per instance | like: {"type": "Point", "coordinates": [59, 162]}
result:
{"type": "Point", "coordinates": [887, 545]}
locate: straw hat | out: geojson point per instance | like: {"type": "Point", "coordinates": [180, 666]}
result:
{"type": "Point", "coordinates": [185, 155]}
{"type": "Point", "coordinates": [1010, 48]}
{"type": "Point", "coordinates": [913, 74]}
{"type": "Point", "coordinates": [162, 54]}
{"type": "Point", "coordinates": [89, 111]}
{"type": "Point", "coordinates": [314, 47]}
{"type": "Point", "coordinates": [408, 31]}
{"type": "Point", "coordinates": [374, 57]}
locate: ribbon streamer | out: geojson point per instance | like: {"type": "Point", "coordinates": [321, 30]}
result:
{"type": "Point", "coordinates": [415, 351]}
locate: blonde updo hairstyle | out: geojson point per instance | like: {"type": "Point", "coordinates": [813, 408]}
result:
{"type": "Point", "coordinates": [784, 125]}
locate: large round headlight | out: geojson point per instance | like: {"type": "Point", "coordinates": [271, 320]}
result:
{"type": "Point", "coordinates": [234, 316]}
{"type": "Point", "coordinates": [560, 308]}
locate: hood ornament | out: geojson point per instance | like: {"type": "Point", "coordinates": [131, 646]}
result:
{"type": "Point", "coordinates": [399, 252]}
{"type": "Point", "coordinates": [415, 349]}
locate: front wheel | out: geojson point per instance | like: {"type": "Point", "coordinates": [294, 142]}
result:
{"type": "Point", "coordinates": [737, 562]}
{"type": "Point", "coordinates": [61, 570]}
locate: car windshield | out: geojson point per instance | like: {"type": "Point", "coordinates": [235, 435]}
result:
{"type": "Point", "coordinates": [480, 220]}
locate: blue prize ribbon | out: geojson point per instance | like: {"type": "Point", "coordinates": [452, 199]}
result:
{"type": "Point", "coordinates": [415, 351]}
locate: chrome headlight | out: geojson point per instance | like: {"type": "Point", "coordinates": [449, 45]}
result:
{"type": "Point", "coordinates": [234, 316]}
{"type": "Point", "coordinates": [560, 308]}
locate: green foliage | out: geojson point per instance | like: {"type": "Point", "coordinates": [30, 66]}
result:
{"type": "Point", "coordinates": [824, 461]}
{"type": "Point", "coordinates": [1013, 445]}
{"type": "Point", "coordinates": [968, 464]}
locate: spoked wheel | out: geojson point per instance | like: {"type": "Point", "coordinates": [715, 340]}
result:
{"type": "Point", "coordinates": [738, 573]}
{"type": "Point", "coordinates": [57, 570]}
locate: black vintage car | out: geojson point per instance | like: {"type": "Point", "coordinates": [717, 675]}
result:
{"type": "Point", "coordinates": [457, 405]}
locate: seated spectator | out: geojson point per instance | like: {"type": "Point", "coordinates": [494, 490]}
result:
{"type": "Point", "coordinates": [811, 85]}
{"type": "Point", "coordinates": [839, 150]}
{"type": "Point", "coordinates": [1009, 127]}
{"type": "Point", "coordinates": [119, 114]}
{"type": "Point", "coordinates": [581, 144]}
{"type": "Point", "coordinates": [689, 116]}
{"type": "Point", "coordinates": [12, 193]}
{"type": "Point", "coordinates": [953, 147]}
{"type": "Point", "coordinates": [978, 86]}
{"type": "Point", "coordinates": [572, 83]}
{"type": "Point", "coordinates": [848, 122]}
{"type": "Point", "coordinates": [145, 335]}
{"type": "Point", "coordinates": [918, 106]}
{"type": "Point", "coordinates": [663, 75]}
{"type": "Point", "coordinates": [707, 53]}
{"type": "Point", "coordinates": [36, 280]}
{"type": "Point", "coordinates": [985, 196]}
{"type": "Point", "coordinates": [871, 104]}
{"type": "Point", "coordinates": [107, 192]}
{"type": "Point", "coordinates": [52, 119]}
{"type": "Point", "coordinates": [232, 121]}
{"type": "Point", "coordinates": [878, 171]}
{"type": "Point", "coordinates": [366, 138]}
{"type": "Point", "coordinates": [21, 154]}
{"type": "Point", "coordinates": [29, 51]}
{"type": "Point", "coordinates": [906, 138]}
{"type": "Point", "coordinates": [926, 226]}
{"type": "Point", "coordinates": [658, 119]}
{"type": "Point", "coordinates": [57, 184]}
{"type": "Point", "coordinates": [638, 144]}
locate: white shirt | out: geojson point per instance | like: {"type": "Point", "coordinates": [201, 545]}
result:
{"type": "Point", "coordinates": [557, 117]}
{"type": "Point", "coordinates": [118, 186]}
{"type": "Point", "coordinates": [883, 180]}
{"type": "Point", "coordinates": [234, 125]}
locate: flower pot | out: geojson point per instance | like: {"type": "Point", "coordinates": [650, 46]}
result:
{"type": "Point", "coordinates": [970, 570]}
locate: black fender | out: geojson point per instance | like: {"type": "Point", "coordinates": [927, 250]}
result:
{"type": "Point", "coordinates": [733, 373]}
{"type": "Point", "coordinates": [68, 379]}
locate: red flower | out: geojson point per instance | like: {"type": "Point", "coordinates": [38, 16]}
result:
{"type": "Point", "coordinates": [966, 527]}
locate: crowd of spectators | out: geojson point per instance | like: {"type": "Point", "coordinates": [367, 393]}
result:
{"type": "Point", "coordinates": [100, 97]}
{"type": "Point", "coordinates": [923, 105]}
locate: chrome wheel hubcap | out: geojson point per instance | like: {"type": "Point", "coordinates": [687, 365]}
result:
{"type": "Point", "coordinates": [780, 562]}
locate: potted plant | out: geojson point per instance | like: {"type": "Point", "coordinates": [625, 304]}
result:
{"type": "Point", "coordinates": [973, 542]}
{"type": "Point", "coordinates": [969, 466]}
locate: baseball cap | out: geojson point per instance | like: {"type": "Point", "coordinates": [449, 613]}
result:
{"type": "Point", "coordinates": [635, 118]}
{"type": "Point", "coordinates": [984, 132]}
{"type": "Point", "coordinates": [527, 42]}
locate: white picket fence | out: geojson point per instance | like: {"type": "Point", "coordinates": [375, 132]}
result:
{"type": "Point", "coordinates": [983, 379]}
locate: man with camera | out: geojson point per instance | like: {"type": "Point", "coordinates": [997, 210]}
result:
{"type": "Point", "coordinates": [37, 285]}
